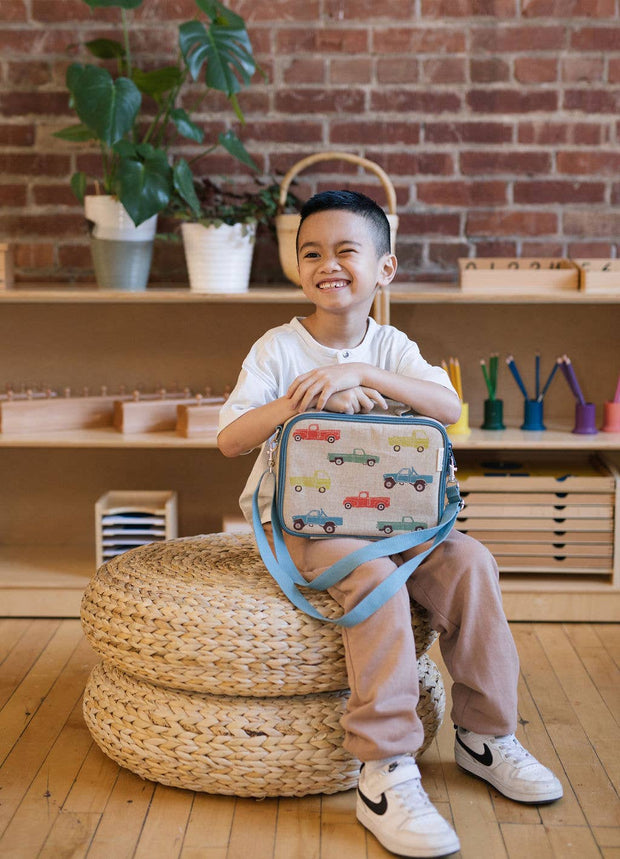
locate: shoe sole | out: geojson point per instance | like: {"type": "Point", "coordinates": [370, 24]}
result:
{"type": "Point", "coordinates": [482, 772]}
{"type": "Point", "coordinates": [368, 820]}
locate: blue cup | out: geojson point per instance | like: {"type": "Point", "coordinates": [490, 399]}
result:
{"type": "Point", "coordinates": [533, 415]}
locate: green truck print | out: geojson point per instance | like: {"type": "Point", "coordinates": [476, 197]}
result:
{"type": "Point", "coordinates": [407, 523]}
{"type": "Point", "coordinates": [356, 455]}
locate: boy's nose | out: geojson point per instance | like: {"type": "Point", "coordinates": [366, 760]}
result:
{"type": "Point", "coordinates": [331, 264]}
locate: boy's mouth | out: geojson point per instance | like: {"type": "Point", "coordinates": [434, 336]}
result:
{"type": "Point", "coordinates": [332, 284]}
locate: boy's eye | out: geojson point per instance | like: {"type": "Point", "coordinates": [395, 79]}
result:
{"type": "Point", "coordinates": [310, 255]}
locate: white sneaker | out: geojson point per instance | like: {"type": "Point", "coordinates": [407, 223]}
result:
{"type": "Point", "coordinates": [393, 805]}
{"type": "Point", "coordinates": [504, 763]}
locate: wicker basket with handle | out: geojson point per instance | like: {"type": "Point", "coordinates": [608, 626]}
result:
{"type": "Point", "coordinates": [288, 224]}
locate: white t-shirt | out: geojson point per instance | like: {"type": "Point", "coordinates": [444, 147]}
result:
{"type": "Point", "coordinates": [285, 352]}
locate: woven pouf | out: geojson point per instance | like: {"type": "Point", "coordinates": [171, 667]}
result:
{"type": "Point", "coordinates": [211, 680]}
{"type": "Point", "coordinates": [287, 746]}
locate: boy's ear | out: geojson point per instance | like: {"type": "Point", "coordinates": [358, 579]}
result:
{"type": "Point", "coordinates": [387, 269]}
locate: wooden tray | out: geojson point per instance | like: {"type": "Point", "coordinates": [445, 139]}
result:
{"type": "Point", "coordinates": [599, 275]}
{"type": "Point", "coordinates": [194, 419]}
{"type": "Point", "coordinates": [55, 413]}
{"type": "Point", "coordinates": [522, 276]}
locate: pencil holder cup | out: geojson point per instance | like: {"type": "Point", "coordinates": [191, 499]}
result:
{"type": "Point", "coordinates": [611, 417]}
{"type": "Point", "coordinates": [533, 415]}
{"type": "Point", "coordinates": [493, 415]}
{"type": "Point", "coordinates": [585, 419]}
{"type": "Point", "coordinates": [461, 427]}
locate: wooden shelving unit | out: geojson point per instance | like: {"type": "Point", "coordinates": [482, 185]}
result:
{"type": "Point", "coordinates": [51, 480]}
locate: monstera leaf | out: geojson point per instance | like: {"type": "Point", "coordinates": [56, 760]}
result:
{"type": "Point", "coordinates": [144, 180]}
{"type": "Point", "coordinates": [108, 107]}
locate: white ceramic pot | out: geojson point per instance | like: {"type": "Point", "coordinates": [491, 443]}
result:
{"type": "Point", "coordinates": [121, 252]}
{"type": "Point", "coordinates": [286, 229]}
{"type": "Point", "coordinates": [219, 258]}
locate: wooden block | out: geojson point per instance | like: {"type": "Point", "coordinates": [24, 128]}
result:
{"type": "Point", "coordinates": [195, 419]}
{"type": "Point", "coordinates": [559, 564]}
{"type": "Point", "coordinates": [602, 539]}
{"type": "Point", "coordinates": [124, 519]}
{"type": "Point", "coordinates": [154, 415]}
{"type": "Point", "coordinates": [599, 275]}
{"type": "Point", "coordinates": [557, 475]}
{"type": "Point", "coordinates": [55, 413]}
{"type": "Point", "coordinates": [526, 275]}
{"type": "Point", "coordinates": [550, 511]}
{"type": "Point", "coordinates": [465, 523]}
{"type": "Point", "coordinates": [6, 266]}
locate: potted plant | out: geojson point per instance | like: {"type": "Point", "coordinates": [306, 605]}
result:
{"type": "Point", "coordinates": [137, 121]}
{"type": "Point", "coordinates": [219, 238]}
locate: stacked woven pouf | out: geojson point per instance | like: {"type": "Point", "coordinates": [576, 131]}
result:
{"type": "Point", "coordinates": [211, 680]}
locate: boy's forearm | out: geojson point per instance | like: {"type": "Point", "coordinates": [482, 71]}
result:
{"type": "Point", "coordinates": [428, 398]}
{"type": "Point", "coordinates": [251, 429]}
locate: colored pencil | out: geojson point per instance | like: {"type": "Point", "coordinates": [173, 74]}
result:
{"type": "Point", "coordinates": [487, 379]}
{"type": "Point", "coordinates": [493, 366]}
{"type": "Point", "coordinates": [517, 377]}
{"type": "Point", "coordinates": [537, 374]}
{"type": "Point", "coordinates": [571, 378]}
{"type": "Point", "coordinates": [549, 379]}
{"type": "Point", "coordinates": [617, 394]}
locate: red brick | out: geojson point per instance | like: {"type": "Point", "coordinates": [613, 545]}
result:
{"type": "Point", "coordinates": [596, 39]}
{"type": "Point", "coordinates": [512, 101]}
{"type": "Point", "coordinates": [488, 71]}
{"type": "Point", "coordinates": [12, 11]}
{"type": "Point", "coordinates": [409, 163]}
{"type": "Point", "coordinates": [495, 248]}
{"type": "Point", "coordinates": [515, 163]}
{"type": "Point", "coordinates": [35, 164]}
{"type": "Point", "coordinates": [511, 223]}
{"type": "Point", "coordinates": [47, 12]}
{"type": "Point", "coordinates": [508, 39]}
{"type": "Point", "coordinates": [42, 103]}
{"type": "Point", "coordinates": [302, 101]}
{"type": "Point", "coordinates": [428, 223]}
{"type": "Point", "coordinates": [615, 194]}
{"type": "Point", "coordinates": [291, 41]}
{"type": "Point", "coordinates": [467, 132]}
{"type": "Point", "coordinates": [278, 10]}
{"type": "Point", "coordinates": [444, 70]}
{"type": "Point", "coordinates": [17, 135]}
{"type": "Point", "coordinates": [427, 40]}
{"type": "Point", "coordinates": [589, 163]}
{"type": "Point", "coordinates": [305, 70]}
{"type": "Point", "coordinates": [585, 250]}
{"type": "Point", "coordinates": [33, 42]}
{"type": "Point", "coordinates": [364, 10]}
{"type": "Point", "coordinates": [554, 191]}
{"type": "Point", "coordinates": [42, 225]}
{"type": "Point", "coordinates": [568, 8]}
{"type": "Point", "coordinates": [592, 223]}
{"type": "Point", "coordinates": [614, 70]}
{"type": "Point", "coordinates": [446, 255]}
{"type": "Point", "coordinates": [409, 255]}
{"type": "Point", "coordinates": [557, 133]}
{"type": "Point", "coordinates": [592, 100]}
{"type": "Point", "coordinates": [542, 249]}
{"type": "Point", "coordinates": [419, 102]}
{"type": "Point", "coordinates": [12, 195]}
{"type": "Point", "coordinates": [283, 131]}
{"type": "Point", "coordinates": [57, 195]}
{"type": "Point", "coordinates": [397, 70]}
{"type": "Point", "coordinates": [462, 194]}
{"type": "Point", "coordinates": [31, 74]}
{"type": "Point", "coordinates": [350, 71]}
{"type": "Point", "coordinates": [373, 130]}
{"type": "Point", "coordinates": [468, 8]}
{"type": "Point", "coordinates": [536, 69]}
{"type": "Point", "coordinates": [34, 255]}
{"type": "Point", "coordinates": [579, 68]}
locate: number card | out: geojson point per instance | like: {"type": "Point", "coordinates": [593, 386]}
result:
{"type": "Point", "coordinates": [518, 276]}
{"type": "Point", "coordinates": [599, 275]}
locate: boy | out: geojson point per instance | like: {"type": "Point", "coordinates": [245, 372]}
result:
{"type": "Point", "coordinates": [341, 360]}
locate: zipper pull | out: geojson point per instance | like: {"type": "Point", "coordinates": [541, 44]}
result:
{"type": "Point", "coordinates": [273, 446]}
{"type": "Point", "coordinates": [452, 469]}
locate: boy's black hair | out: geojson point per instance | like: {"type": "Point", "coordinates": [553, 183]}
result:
{"type": "Point", "coordinates": [359, 204]}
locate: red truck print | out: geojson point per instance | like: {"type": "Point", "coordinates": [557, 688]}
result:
{"type": "Point", "coordinates": [313, 433]}
{"type": "Point", "coordinates": [365, 499]}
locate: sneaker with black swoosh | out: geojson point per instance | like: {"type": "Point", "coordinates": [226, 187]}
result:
{"type": "Point", "coordinates": [393, 805]}
{"type": "Point", "coordinates": [505, 764]}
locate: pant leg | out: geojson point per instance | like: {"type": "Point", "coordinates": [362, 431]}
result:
{"type": "Point", "coordinates": [381, 718]}
{"type": "Point", "coordinates": [459, 586]}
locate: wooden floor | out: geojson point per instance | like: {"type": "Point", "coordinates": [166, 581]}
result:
{"type": "Point", "coordinates": [61, 797]}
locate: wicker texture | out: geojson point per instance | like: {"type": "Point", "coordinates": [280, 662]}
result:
{"type": "Point", "coordinates": [275, 746]}
{"type": "Point", "coordinates": [203, 614]}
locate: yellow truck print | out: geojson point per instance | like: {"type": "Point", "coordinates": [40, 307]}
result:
{"type": "Point", "coordinates": [319, 480]}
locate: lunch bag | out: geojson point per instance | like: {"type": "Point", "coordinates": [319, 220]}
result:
{"type": "Point", "coordinates": [381, 477]}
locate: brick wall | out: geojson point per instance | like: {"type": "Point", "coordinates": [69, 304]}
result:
{"type": "Point", "coordinates": [497, 121]}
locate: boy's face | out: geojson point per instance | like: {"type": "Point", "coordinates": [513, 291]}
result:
{"type": "Point", "coordinates": [338, 262]}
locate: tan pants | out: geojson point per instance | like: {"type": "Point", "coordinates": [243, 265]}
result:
{"type": "Point", "coordinates": [458, 585]}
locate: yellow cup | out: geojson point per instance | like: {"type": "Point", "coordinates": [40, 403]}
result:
{"type": "Point", "coordinates": [461, 427]}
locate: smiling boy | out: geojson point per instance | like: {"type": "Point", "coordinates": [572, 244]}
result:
{"type": "Point", "coordinates": [339, 359]}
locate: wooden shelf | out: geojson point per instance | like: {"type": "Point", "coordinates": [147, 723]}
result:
{"type": "Point", "coordinates": [447, 293]}
{"type": "Point", "coordinates": [555, 437]}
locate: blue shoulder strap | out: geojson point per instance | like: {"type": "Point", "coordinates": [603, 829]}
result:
{"type": "Point", "coordinates": [285, 573]}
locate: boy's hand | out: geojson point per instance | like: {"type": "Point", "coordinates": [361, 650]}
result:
{"type": "Point", "coordinates": [355, 401]}
{"type": "Point", "coordinates": [313, 389]}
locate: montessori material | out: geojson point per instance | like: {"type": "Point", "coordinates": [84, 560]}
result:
{"type": "Point", "coordinates": [493, 406]}
{"type": "Point", "coordinates": [517, 276]}
{"type": "Point", "coordinates": [126, 519]}
{"type": "Point", "coordinates": [367, 476]}
{"type": "Point", "coordinates": [585, 413]}
{"type": "Point", "coordinates": [532, 406]}
{"type": "Point", "coordinates": [461, 427]}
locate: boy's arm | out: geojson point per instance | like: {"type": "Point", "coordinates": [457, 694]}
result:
{"type": "Point", "coordinates": [254, 427]}
{"type": "Point", "coordinates": [428, 398]}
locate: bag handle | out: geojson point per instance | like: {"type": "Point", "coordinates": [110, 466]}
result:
{"type": "Point", "coordinates": [285, 573]}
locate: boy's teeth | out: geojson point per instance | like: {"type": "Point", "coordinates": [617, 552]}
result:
{"type": "Point", "coordinates": [332, 283]}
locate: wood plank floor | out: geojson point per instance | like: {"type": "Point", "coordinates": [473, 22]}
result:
{"type": "Point", "coordinates": [61, 797]}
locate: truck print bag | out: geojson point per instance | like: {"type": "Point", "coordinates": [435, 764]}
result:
{"type": "Point", "coordinates": [378, 476]}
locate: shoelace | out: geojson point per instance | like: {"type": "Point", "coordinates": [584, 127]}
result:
{"type": "Point", "coordinates": [513, 749]}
